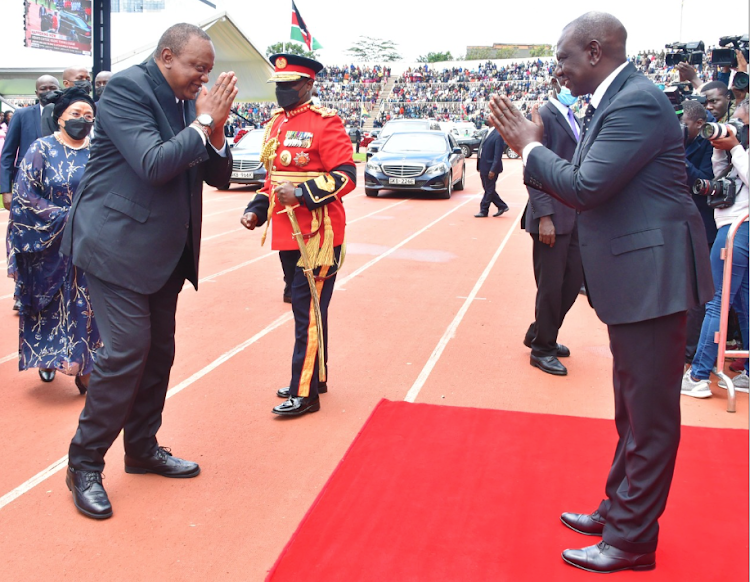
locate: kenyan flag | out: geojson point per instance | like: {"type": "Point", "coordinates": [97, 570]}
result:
{"type": "Point", "coordinates": [300, 32]}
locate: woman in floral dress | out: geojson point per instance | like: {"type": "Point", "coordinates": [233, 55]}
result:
{"type": "Point", "coordinates": [57, 328]}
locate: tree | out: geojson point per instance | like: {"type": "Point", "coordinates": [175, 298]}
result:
{"type": "Point", "coordinates": [541, 51]}
{"type": "Point", "coordinates": [293, 48]}
{"type": "Point", "coordinates": [435, 57]}
{"type": "Point", "coordinates": [368, 49]}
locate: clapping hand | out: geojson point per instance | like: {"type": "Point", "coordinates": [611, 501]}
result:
{"type": "Point", "coordinates": [517, 131]}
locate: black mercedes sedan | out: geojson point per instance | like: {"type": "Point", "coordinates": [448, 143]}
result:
{"type": "Point", "coordinates": [426, 161]}
{"type": "Point", "coordinates": [246, 166]}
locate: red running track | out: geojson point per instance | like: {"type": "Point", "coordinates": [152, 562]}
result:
{"type": "Point", "coordinates": [431, 306]}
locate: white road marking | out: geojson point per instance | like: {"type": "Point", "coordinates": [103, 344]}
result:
{"type": "Point", "coordinates": [62, 463]}
{"type": "Point", "coordinates": [450, 332]}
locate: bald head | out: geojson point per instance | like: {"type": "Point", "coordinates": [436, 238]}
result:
{"type": "Point", "coordinates": [589, 49]}
{"type": "Point", "coordinates": [73, 74]}
{"type": "Point", "coordinates": [603, 28]}
{"type": "Point", "coordinates": [46, 83]}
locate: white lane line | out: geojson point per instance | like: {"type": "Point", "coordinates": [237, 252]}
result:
{"type": "Point", "coordinates": [450, 332]}
{"type": "Point", "coordinates": [12, 356]}
{"type": "Point", "coordinates": [233, 209]}
{"type": "Point", "coordinates": [6, 296]}
{"type": "Point", "coordinates": [63, 462]}
{"type": "Point", "coordinates": [213, 236]}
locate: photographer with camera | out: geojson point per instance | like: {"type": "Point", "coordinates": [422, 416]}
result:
{"type": "Point", "coordinates": [698, 152]}
{"type": "Point", "coordinates": [718, 100]}
{"type": "Point", "coordinates": [728, 194]}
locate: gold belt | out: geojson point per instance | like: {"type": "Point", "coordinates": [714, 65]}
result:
{"type": "Point", "coordinates": [279, 176]}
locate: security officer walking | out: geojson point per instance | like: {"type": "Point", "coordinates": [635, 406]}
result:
{"type": "Point", "coordinates": [308, 155]}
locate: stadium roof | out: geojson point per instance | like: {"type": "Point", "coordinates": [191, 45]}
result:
{"type": "Point", "coordinates": [234, 52]}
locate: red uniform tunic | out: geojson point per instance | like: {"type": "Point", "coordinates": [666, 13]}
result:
{"type": "Point", "coordinates": [314, 152]}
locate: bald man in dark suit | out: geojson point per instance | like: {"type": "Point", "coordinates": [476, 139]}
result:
{"type": "Point", "coordinates": [646, 263]}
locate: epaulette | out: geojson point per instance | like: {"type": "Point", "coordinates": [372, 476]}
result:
{"type": "Point", "coordinates": [274, 113]}
{"type": "Point", "coordinates": [323, 111]}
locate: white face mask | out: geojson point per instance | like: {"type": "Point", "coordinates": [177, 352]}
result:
{"type": "Point", "coordinates": [566, 97]}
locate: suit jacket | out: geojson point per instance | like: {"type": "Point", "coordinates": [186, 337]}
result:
{"type": "Point", "coordinates": [140, 198]}
{"type": "Point", "coordinates": [491, 154]}
{"type": "Point", "coordinates": [558, 137]}
{"type": "Point", "coordinates": [642, 240]}
{"type": "Point", "coordinates": [25, 128]}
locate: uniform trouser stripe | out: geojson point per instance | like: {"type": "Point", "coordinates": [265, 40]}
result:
{"type": "Point", "coordinates": [311, 354]}
{"type": "Point", "coordinates": [304, 381]}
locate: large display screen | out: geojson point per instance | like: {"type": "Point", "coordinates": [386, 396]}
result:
{"type": "Point", "coordinates": [58, 25]}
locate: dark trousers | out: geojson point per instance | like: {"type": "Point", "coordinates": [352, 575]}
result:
{"type": "Point", "coordinates": [490, 195]}
{"type": "Point", "coordinates": [559, 275]}
{"type": "Point", "coordinates": [288, 269]}
{"type": "Point", "coordinates": [129, 383]}
{"type": "Point", "coordinates": [305, 363]}
{"type": "Point", "coordinates": [648, 359]}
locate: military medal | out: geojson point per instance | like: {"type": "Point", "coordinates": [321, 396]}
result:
{"type": "Point", "coordinates": [298, 139]}
{"type": "Point", "coordinates": [285, 158]}
{"type": "Point", "coordinates": [302, 159]}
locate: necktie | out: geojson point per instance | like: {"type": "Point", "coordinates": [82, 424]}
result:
{"type": "Point", "coordinates": [590, 110]}
{"type": "Point", "coordinates": [183, 112]}
{"type": "Point", "coordinates": [573, 124]}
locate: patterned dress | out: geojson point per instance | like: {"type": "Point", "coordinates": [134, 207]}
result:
{"type": "Point", "coordinates": [57, 328]}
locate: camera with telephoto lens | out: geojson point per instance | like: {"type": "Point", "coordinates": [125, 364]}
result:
{"type": "Point", "coordinates": [677, 93]}
{"type": "Point", "coordinates": [720, 130]}
{"type": "Point", "coordinates": [685, 52]}
{"type": "Point", "coordinates": [726, 57]}
{"type": "Point", "coordinates": [721, 193]}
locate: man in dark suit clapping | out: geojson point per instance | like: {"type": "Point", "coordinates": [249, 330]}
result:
{"type": "Point", "coordinates": [134, 228]}
{"type": "Point", "coordinates": [490, 165]}
{"type": "Point", "coordinates": [645, 258]}
{"type": "Point", "coordinates": [557, 257]}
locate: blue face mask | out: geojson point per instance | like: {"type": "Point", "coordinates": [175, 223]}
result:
{"type": "Point", "coordinates": [566, 97]}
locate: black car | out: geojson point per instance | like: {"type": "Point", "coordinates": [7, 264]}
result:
{"type": "Point", "coordinates": [399, 125]}
{"type": "Point", "coordinates": [426, 161]}
{"type": "Point", "coordinates": [246, 165]}
{"type": "Point", "coordinates": [74, 28]}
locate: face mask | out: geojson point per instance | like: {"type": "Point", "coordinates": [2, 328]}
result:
{"type": "Point", "coordinates": [79, 128]}
{"type": "Point", "coordinates": [49, 97]}
{"type": "Point", "coordinates": [286, 97]}
{"type": "Point", "coordinates": [99, 90]}
{"type": "Point", "coordinates": [566, 97]}
{"type": "Point", "coordinates": [85, 85]}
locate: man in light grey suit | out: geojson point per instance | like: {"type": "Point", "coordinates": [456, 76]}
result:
{"type": "Point", "coordinates": [134, 228]}
{"type": "Point", "coordinates": [643, 248]}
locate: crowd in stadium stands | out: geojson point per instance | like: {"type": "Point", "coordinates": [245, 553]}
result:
{"type": "Point", "coordinates": [354, 74]}
{"type": "Point", "coordinates": [332, 91]}
{"type": "Point", "coordinates": [443, 93]}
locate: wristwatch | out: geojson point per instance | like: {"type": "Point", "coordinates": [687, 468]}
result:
{"type": "Point", "coordinates": [298, 194]}
{"type": "Point", "coordinates": [205, 120]}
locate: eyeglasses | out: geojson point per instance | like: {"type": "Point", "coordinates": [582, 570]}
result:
{"type": "Point", "coordinates": [76, 115]}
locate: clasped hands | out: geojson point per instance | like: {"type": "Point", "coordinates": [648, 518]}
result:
{"type": "Point", "coordinates": [217, 102]}
{"type": "Point", "coordinates": [517, 131]}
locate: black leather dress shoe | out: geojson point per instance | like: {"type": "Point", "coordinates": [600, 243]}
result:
{"type": "Point", "coordinates": [606, 559]}
{"type": "Point", "coordinates": [562, 351]}
{"type": "Point", "coordinates": [482, 215]}
{"type": "Point", "coordinates": [501, 211]}
{"type": "Point", "coordinates": [287, 298]}
{"type": "Point", "coordinates": [549, 364]}
{"type": "Point", "coordinates": [46, 374]}
{"type": "Point", "coordinates": [584, 523]}
{"type": "Point", "coordinates": [284, 392]}
{"type": "Point", "coordinates": [297, 405]}
{"type": "Point", "coordinates": [162, 463]}
{"type": "Point", "coordinates": [17, 305]}
{"type": "Point", "coordinates": [89, 495]}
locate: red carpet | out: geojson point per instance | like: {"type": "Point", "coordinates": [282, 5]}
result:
{"type": "Point", "coordinates": [443, 494]}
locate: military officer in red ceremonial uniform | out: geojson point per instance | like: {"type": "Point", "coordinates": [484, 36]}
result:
{"type": "Point", "coordinates": [308, 156]}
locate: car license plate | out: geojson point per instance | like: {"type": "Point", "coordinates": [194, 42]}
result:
{"type": "Point", "coordinates": [401, 180]}
{"type": "Point", "coordinates": [242, 174]}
